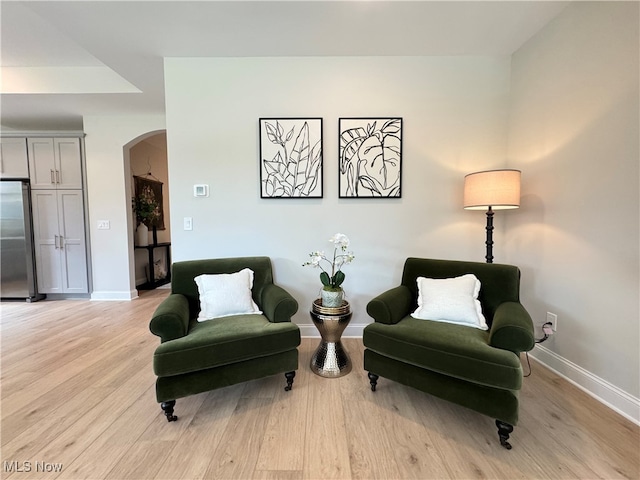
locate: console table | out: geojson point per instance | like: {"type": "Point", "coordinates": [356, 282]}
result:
{"type": "Point", "coordinates": [153, 283]}
{"type": "Point", "coordinates": [330, 359]}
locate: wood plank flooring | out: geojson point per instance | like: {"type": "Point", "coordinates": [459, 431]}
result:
{"type": "Point", "coordinates": [78, 402]}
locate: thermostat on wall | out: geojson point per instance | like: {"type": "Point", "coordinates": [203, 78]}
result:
{"type": "Point", "coordinates": [201, 190]}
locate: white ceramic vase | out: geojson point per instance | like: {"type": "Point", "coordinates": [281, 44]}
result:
{"type": "Point", "coordinates": [142, 235]}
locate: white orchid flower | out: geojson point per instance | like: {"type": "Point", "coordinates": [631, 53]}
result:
{"type": "Point", "coordinates": [340, 239]}
{"type": "Point", "coordinates": [316, 257]}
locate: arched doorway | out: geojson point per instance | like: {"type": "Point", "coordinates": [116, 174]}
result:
{"type": "Point", "coordinates": [147, 159]}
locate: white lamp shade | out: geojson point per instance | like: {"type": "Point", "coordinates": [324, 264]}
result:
{"type": "Point", "coordinates": [498, 189]}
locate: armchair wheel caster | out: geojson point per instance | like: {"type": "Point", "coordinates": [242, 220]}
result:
{"type": "Point", "coordinates": [167, 408]}
{"type": "Point", "coordinates": [289, 376]}
{"type": "Point", "coordinates": [373, 380]}
{"type": "Point", "coordinates": [504, 429]}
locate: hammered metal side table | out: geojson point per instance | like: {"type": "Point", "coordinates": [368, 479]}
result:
{"type": "Point", "coordinates": [330, 359]}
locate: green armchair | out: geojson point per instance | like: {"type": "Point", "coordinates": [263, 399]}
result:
{"type": "Point", "coordinates": [478, 369]}
{"type": "Point", "coordinates": [198, 356]}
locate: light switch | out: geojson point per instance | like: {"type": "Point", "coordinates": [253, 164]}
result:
{"type": "Point", "coordinates": [104, 225]}
{"type": "Point", "coordinates": [188, 223]}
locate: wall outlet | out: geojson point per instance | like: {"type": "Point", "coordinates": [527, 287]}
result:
{"type": "Point", "coordinates": [104, 225]}
{"type": "Point", "coordinates": [552, 318]}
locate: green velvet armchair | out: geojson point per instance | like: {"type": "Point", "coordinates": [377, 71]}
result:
{"type": "Point", "coordinates": [478, 369]}
{"type": "Point", "coordinates": [198, 356]}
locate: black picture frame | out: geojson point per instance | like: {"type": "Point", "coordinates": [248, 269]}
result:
{"type": "Point", "coordinates": [291, 157]}
{"type": "Point", "coordinates": [150, 190]}
{"type": "Point", "coordinates": [370, 157]}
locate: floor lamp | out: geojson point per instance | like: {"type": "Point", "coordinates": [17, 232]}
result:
{"type": "Point", "coordinates": [492, 190]}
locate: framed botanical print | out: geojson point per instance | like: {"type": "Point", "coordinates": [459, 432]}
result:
{"type": "Point", "coordinates": [370, 157]}
{"type": "Point", "coordinates": [148, 205]}
{"type": "Point", "coordinates": [291, 158]}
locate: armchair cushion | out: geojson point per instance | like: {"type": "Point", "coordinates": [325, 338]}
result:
{"type": "Point", "coordinates": [225, 294]}
{"type": "Point", "coordinates": [224, 341]}
{"type": "Point", "coordinates": [449, 349]}
{"type": "Point", "coordinates": [452, 300]}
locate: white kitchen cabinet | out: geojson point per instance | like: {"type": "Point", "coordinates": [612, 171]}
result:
{"type": "Point", "coordinates": [13, 158]}
{"type": "Point", "coordinates": [55, 163]}
{"type": "Point", "coordinates": [59, 241]}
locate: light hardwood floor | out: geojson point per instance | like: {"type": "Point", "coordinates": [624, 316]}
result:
{"type": "Point", "coordinates": [78, 395]}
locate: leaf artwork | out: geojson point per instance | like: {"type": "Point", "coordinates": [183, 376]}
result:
{"type": "Point", "coordinates": [370, 157]}
{"type": "Point", "coordinates": [291, 158]}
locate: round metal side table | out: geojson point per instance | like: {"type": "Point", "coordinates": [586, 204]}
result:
{"type": "Point", "coordinates": [330, 359]}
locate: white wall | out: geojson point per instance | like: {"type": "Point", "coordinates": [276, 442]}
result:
{"type": "Point", "coordinates": [454, 111]}
{"type": "Point", "coordinates": [574, 132]}
{"type": "Point", "coordinates": [108, 186]}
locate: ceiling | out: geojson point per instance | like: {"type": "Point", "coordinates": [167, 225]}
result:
{"type": "Point", "coordinates": [62, 60]}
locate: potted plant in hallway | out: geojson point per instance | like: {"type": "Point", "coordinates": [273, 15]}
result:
{"type": "Point", "coordinates": [332, 293]}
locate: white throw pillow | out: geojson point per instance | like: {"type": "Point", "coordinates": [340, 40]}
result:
{"type": "Point", "coordinates": [452, 300]}
{"type": "Point", "coordinates": [226, 294]}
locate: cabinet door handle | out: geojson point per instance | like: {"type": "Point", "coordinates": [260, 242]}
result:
{"type": "Point", "coordinates": [57, 176]}
{"type": "Point", "coordinates": [55, 241]}
{"type": "Point", "coordinates": [61, 242]}
{"type": "Point", "coordinates": [52, 179]}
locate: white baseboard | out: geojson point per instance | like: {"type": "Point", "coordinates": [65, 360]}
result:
{"type": "Point", "coordinates": [352, 330]}
{"type": "Point", "coordinates": [615, 398]}
{"type": "Point", "coordinates": [114, 296]}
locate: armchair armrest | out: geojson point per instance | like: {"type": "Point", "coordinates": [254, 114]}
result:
{"type": "Point", "coordinates": [391, 306]}
{"type": "Point", "coordinates": [171, 318]}
{"type": "Point", "coordinates": [512, 328]}
{"type": "Point", "coordinates": [277, 304]}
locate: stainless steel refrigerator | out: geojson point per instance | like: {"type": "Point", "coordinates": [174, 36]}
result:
{"type": "Point", "coordinates": [17, 258]}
